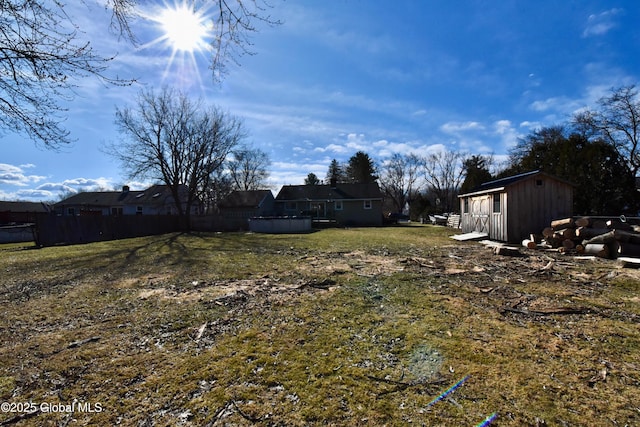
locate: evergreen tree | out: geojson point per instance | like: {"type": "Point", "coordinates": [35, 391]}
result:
{"type": "Point", "coordinates": [361, 169]}
{"type": "Point", "coordinates": [311, 179]}
{"type": "Point", "coordinates": [476, 170]}
{"type": "Point", "coordinates": [335, 172]}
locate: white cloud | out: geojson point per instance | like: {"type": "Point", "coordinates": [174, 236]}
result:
{"type": "Point", "coordinates": [332, 148]}
{"type": "Point", "coordinates": [530, 125]}
{"type": "Point", "coordinates": [601, 23]}
{"type": "Point", "coordinates": [455, 128]}
{"type": "Point", "coordinates": [508, 133]}
{"type": "Point", "coordinates": [15, 175]}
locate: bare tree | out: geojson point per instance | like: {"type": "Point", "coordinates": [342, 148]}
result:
{"type": "Point", "coordinates": [43, 55]}
{"type": "Point", "coordinates": [41, 58]}
{"type": "Point", "coordinates": [173, 140]}
{"type": "Point", "coordinates": [399, 179]}
{"type": "Point", "coordinates": [234, 22]}
{"type": "Point", "coordinates": [444, 173]}
{"type": "Point", "coordinates": [617, 120]}
{"type": "Point", "coordinates": [220, 186]}
{"type": "Point", "coordinates": [248, 168]}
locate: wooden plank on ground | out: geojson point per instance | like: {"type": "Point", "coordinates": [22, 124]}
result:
{"type": "Point", "coordinates": [474, 235]}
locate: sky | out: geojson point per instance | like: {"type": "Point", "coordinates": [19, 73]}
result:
{"type": "Point", "coordinates": [341, 76]}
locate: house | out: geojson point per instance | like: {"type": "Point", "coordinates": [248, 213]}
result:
{"type": "Point", "coordinates": [510, 209]}
{"type": "Point", "coordinates": [343, 203]}
{"type": "Point", "coordinates": [17, 219]}
{"type": "Point", "coordinates": [155, 200]}
{"type": "Point", "coordinates": [247, 204]}
{"type": "Point", "coordinates": [21, 212]}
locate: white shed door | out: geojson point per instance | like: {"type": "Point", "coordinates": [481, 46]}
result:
{"type": "Point", "coordinates": [480, 210]}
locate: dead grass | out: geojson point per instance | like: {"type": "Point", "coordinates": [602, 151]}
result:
{"type": "Point", "coordinates": [338, 327]}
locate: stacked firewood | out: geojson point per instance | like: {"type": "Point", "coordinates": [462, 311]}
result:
{"type": "Point", "coordinates": [611, 238]}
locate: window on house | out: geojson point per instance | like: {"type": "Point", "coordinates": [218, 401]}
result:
{"type": "Point", "coordinates": [71, 211]}
{"type": "Point", "coordinates": [368, 204]}
{"type": "Point", "coordinates": [138, 210]}
{"type": "Point", "coordinates": [290, 206]}
{"type": "Point", "coordinates": [338, 205]}
{"type": "Point", "coordinates": [116, 211]}
{"type": "Point", "coordinates": [466, 205]}
{"type": "Point", "coordinates": [496, 203]}
{"type": "Point", "coordinates": [539, 183]}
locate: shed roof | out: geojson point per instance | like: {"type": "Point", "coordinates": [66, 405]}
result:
{"type": "Point", "coordinates": [245, 199]}
{"type": "Point", "coordinates": [502, 183]}
{"type": "Point", "coordinates": [370, 191]}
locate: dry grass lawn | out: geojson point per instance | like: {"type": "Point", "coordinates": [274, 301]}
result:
{"type": "Point", "coordinates": [362, 326]}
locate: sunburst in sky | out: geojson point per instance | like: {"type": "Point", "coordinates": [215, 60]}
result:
{"type": "Point", "coordinates": [186, 30]}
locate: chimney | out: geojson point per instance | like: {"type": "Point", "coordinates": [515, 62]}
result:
{"type": "Point", "coordinates": [125, 188]}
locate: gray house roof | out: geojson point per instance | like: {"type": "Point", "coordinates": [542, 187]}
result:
{"type": "Point", "coordinates": [100, 198]}
{"type": "Point", "coordinates": [23, 207]}
{"type": "Point", "coordinates": [154, 195]}
{"type": "Point", "coordinates": [246, 199]}
{"type": "Point", "coordinates": [328, 192]}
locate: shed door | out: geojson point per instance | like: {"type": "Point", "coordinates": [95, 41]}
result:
{"type": "Point", "coordinates": [480, 210]}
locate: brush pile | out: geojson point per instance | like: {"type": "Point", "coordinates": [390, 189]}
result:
{"type": "Point", "coordinates": [604, 238]}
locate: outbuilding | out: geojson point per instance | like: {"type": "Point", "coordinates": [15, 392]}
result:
{"type": "Point", "coordinates": [510, 209]}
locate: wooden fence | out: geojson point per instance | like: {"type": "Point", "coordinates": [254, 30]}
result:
{"type": "Point", "coordinates": [60, 230]}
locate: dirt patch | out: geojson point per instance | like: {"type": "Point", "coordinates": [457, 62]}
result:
{"type": "Point", "coordinates": [425, 362]}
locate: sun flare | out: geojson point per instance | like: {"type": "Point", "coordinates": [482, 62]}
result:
{"type": "Point", "coordinates": [185, 29]}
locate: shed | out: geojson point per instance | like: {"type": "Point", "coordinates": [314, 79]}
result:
{"type": "Point", "coordinates": [510, 209]}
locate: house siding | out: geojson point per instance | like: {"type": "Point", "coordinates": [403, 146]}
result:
{"type": "Point", "coordinates": [319, 202]}
{"type": "Point", "coordinates": [354, 213]}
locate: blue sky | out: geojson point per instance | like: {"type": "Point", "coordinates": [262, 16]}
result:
{"type": "Point", "coordinates": [341, 76]}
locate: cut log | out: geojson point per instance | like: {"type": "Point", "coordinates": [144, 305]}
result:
{"type": "Point", "coordinates": [599, 223]}
{"type": "Point", "coordinates": [568, 244]}
{"type": "Point", "coordinates": [568, 233]}
{"type": "Point", "coordinates": [629, 249]}
{"type": "Point", "coordinates": [561, 224]}
{"type": "Point", "coordinates": [616, 235]}
{"type": "Point", "coordinates": [529, 244]}
{"type": "Point", "coordinates": [548, 232]}
{"type": "Point", "coordinates": [618, 225]}
{"type": "Point", "coordinates": [553, 242]}
{"type": "Point", "coordinates": [583, 222]}
{"type": "Point", "coordinates": [589, 233]}
{"type": "Point", "coordinates": [598, 249]}
{"type": "Point", "coordinates": [507, 251]}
